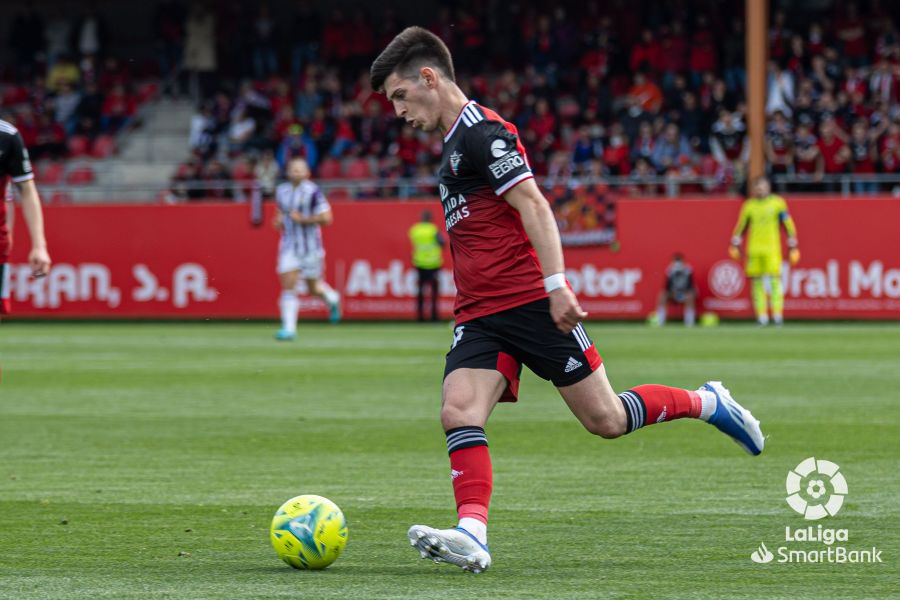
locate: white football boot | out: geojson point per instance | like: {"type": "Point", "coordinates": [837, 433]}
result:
{"type": "Point", "coordinates": [455, 546]}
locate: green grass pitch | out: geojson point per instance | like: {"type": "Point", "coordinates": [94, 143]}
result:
{"type": "Point", "coordinates": [146, 460]}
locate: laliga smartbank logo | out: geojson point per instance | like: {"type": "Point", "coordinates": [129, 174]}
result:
{"type": "Point", "coordinates": [816, 489]}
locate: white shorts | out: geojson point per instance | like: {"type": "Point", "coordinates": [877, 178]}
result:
{"type": "Point", "coordinates": [310, 265]}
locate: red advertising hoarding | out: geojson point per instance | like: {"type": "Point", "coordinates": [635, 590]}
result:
{"type": "Point", "coordinates": [208, 260]}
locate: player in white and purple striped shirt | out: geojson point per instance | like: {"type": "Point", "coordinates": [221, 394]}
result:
{"type": "Point", "coordinates": [301, 211]}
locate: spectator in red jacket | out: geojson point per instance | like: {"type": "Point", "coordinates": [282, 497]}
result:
{"type": "Point", "coordinates": [646, 55]}
{"type": "Point", "coordinates": [808, 161]}
{"type": "Point", "coordinates": [851, 32]}
{"type": "Point", "coordinates": [118, 110]}
{"type": "Point", "coordinates": [674, 52]}
{"type": "Point", "coordinates": [616, 152]}
{"type": "Point", "coordinates": [835, 153]}
{"type": "Point", "coordinates": [704, 55]}
{"type": "Point", "coordinates": [50, 140]}
{"type": "Point", "coordinates": [889, 149]}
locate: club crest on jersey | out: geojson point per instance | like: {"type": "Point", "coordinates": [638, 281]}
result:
{"type": "Point", "coordinates": [455, 157]}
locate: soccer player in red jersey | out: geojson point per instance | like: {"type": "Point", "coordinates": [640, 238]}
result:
{"type": "Point", "coordinates": [513, 303]}
{"type": "Point", "coordinates": [15, 166]}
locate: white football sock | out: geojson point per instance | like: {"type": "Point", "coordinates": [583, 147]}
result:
{"type": "Point", "coordinates": [289, 305]}
{"type": "Point", "coordinates": [707, 404]}
{"type": "Point", "coordinates": [331, 296]}
{"type": "Point", "coordinates": [660, 316]}
{"type": "Point", "coordinates": [690, 316]}
{"type": "Point", "coordinates": [476, 528]}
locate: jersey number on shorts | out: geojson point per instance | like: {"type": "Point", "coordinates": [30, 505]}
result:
{"type": "Point", "coordinates": [457, 335]}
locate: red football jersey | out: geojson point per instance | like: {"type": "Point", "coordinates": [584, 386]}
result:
{"type": "Point", "coordinates": [495, 267]}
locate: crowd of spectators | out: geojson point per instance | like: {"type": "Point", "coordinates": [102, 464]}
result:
{"type": "Point", "coordinates": [66, 91]}
{"type": "Point", "coordinates": [631, 89]}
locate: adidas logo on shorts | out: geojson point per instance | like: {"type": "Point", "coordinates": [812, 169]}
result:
{"type": "Point", "coordinates": [572, 365]}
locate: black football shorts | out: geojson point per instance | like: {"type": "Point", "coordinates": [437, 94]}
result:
{"type": "Point", "coordinates": [524, 335]}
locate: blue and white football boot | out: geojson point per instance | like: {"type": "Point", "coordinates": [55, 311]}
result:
{"type": "Point", "coordinates": [734, 420]}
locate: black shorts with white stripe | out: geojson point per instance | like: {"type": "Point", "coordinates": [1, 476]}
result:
{"type": "Point", "coordinates": [524, 335]}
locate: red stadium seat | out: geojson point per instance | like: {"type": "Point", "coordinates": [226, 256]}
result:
{"type": "Point", "coordinates": [104, 147]}
{"type": "Point", "coordinates": [242, 171]}
{"type": "Point", "coordinates": [330, 168]}
{"type": "Point", "coordinates": [78, 145]}
{"type": "Point", "coordinates": [15, 94]}
{"type": "Point", "coordinates": [80, 175]}
{"type": "Point", "coordinates": [51, 173]}
{"type": "Point", "coordinates": [359, 168]}
{"type": "Point", "coordinates": [147, 91]}
{"type": "Point", "coordinates": [61, 197]}
{"type": "Point", "coordinates": [337, 194]}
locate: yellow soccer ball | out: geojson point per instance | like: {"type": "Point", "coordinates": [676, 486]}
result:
{"type": "Point", "coordinates": [709, 319]}
{"type": "Point", "coordinates": [309, 532]}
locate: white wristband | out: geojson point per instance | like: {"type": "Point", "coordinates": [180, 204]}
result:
{"type": "Point", "coordinates": [554, 282]}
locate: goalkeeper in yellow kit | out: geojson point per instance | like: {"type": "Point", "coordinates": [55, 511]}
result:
{"type": "Point", "coordinates": [761, 217]}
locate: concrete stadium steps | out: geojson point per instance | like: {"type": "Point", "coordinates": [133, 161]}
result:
{"type": "Point", "coordinates": [144, 165]}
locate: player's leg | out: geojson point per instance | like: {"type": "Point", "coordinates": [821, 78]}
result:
{"type": "Point", "coordinates": [469, 396]}
{"type": "Point", "coordinates": [433, 284]}
{"type": "Point", "coordinates": [288, 303]}
{"type": "Point", "coordinates": [610, 415]}
{"type": "Point", "coordinates": [5, 287]}
{"type": "Point", "coordinates": [477, 375]}
{"type": "Point", "coordinates": [760, 300]}
{"type": "Point", "coordinates": [329, 295]}
{"type": "Point", "coordinates": [776, 290]}
{"type": "Point", "coordinates": [690, 308]}
{"type": "Point", "coordinates": [420, 294]}
{"type": "Point", "coordinates": [313, 268]}
{"type": "Point", "coordinates": [756, 269]}
{"type": "Point", "coordinates": [572, 363]}
{"type": "Point", "coordinates": [661, 312]}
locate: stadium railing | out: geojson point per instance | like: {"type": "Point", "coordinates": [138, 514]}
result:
{"type": "Point", "coordinates": [845, 185]}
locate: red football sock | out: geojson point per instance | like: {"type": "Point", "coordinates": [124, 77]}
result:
{"type": "Point", "coordinates": [650, 403]}
{"type": "Point", "coordinates": [473, 480]}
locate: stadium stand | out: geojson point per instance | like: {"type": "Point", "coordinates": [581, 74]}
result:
{"type": "Point", "coordinates": [593, 90]}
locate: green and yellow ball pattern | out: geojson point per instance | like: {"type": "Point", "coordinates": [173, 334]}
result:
{"type": "Point", "coordinates": [309, 532]}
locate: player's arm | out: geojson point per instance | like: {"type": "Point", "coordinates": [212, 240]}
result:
{"type": "Point", "coordinates": [38, 258]}
{"type": "Point", "coordinates": [10, 222]}
{"type": "Point", "coordinates": [737, 235]}
{"type": "Point", "coordinates": [784, 217]}
{"type": "Point", "coordinates": [18, 165]}
{"type": "Point", "coordinates": [322, 214]}
{"type": "Point", "coordinates": [323, 218]}
{"type": "Point", "coordinates": [496, 154]}
{"type": "Point", "coordinates": [540, 225]}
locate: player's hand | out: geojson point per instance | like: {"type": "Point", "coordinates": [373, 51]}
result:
{"type": "Point", "coordinates": [734, 252]}
{"type": "Point", "coordinates": [564, 309]}
{"type": "Point", "coordinates": [794, 256]}
{"type": "Point", "coordinates": [39, 261]}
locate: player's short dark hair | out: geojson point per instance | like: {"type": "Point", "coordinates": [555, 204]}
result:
{"type": "Point", "coordinates": [413, 48]}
